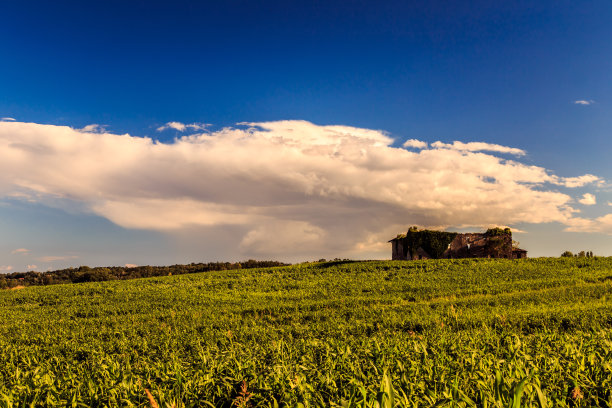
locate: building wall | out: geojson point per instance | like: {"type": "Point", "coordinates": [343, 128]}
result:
{"type": "Point", "coordinates": [519, 254]}
{"type": "Point", "coordinates": [470, 245]}
{"type": "Point", "coordinates": [476, 245]}
{"type": "Point", "coordinates": [397, 252]}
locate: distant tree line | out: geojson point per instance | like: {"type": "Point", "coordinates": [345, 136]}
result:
{"type": "Point", "coordinates": [98, 274]}
{"type": "Point", "coordinates": [581, 254]}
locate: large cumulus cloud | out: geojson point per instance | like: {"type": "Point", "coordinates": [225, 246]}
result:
{"type": "Point", "coordinates": [286, 185]}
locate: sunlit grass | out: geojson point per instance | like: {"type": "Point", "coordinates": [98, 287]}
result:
{"type": "Point", "coordinates": [496, 333]}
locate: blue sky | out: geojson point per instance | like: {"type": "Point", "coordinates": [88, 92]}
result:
{"type": "Point", "coordinates": [501, 73]}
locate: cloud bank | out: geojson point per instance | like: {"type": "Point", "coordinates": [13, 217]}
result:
{"type": "Point", "coordinates": [286, 186]}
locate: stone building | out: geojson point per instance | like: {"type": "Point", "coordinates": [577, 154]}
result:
{"type": "Point", "coordinates": [428, 244]}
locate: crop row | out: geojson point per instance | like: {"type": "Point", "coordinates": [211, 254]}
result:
{"type": "Point", "coordinates": [491, 333]}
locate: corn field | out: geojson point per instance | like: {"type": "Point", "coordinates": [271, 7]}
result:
{"type": "Point", "coordinates": [435, 333]}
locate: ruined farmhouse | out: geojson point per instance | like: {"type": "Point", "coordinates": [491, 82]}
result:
{"type": "Point", "coordinates": [429, 244]}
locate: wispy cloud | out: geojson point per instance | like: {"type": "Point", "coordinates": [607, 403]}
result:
{"type": "Point", "coordinates": [181, 127]}
{"type": "Point", "coordinates": [129, 265]}
{"type": "Point", "coordinates": [588, 199]}
{"type": "Point", "coordinates": [8, 119]}
{"type": "Point", "coordinates": [94, 128]}
{"type": "Point", "coordinates": [573, 182]}
{"type": "Point", "coordinates": [584, 102]}
{"type": "Point", "coordinates": [478, 147]}
{"type": "Point", "coordinates": [6, 268]}
{"type": "Point", "coordinates": [31, 267]}
{"type": "Point", "coordinates": [22, 251]}
{"type": "Point", "coordinates": [417, 144]}
{"type": "Point", "coordinates": [54, 258]}
{"type": "Point", "coordinates": [601, 224]}
{"type": "Point", "coordinates": [307, 189]}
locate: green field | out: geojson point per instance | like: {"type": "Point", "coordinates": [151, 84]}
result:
{"type": "Point", "coordinates": [486, 333]}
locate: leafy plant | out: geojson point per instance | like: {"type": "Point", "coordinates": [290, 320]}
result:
{"type": "Point", "coordinates": [462, 332]}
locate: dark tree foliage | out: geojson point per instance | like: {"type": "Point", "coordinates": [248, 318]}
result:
{"type": "Point", "coordinates": [433, 242]}
{"type": "Point", "coordinates": [497, 246]}
{"type": "Point", "coordinates": [497, 232]}
{"type": "Point", "coordinates": [98, 274]}
{"type": "Point", "coordinates": [581, 254]}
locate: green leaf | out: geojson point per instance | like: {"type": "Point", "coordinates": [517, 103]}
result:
{"type": "Point", "coordinates": [518, 393]}
{"type": "Point", "coordinates": [541, 398]}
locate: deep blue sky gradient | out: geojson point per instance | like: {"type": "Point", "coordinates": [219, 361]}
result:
{"type": "Point", "coordinates": [486, 71]}
{"type": "Point", "coordinates": [499, 72]}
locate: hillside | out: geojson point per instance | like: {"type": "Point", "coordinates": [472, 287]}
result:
{"type": "Point", "coordinates": [419, 333]}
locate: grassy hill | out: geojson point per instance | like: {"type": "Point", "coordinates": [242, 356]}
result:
{"type": "Point", "coordinates": [496, 333]}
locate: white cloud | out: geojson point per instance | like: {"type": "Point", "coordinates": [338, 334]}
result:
{"type": "Point", "coordinates": [279, 187]}
{"type": "Point", "coordinates": [54, 258]}
{"type": "Point", "coordinates": [610, 203]}
{"type": "Point", "coordinates": [181, 127]}
{"type": "Point", "coordinates": [580, 181]}
{"type": "Point", "coordinates": [601, 224]}
{"type": "Point", "coordinates": [129, 265]}
{"type": "Point", "coordinates": [8, 119]}
{"type": "Point", "coordinates": [584, 102]}
{"type": "Point", "coordinates": [22, 251]}
{"type": "Point", "coordinates": [417, 144]}
{"type": "Point", "coordinates": [6, 268]}
{"type": "Point", "coordinates": [31, 267]}
{"type": "Point", "coordinates": [94, 128]}
{"type": "Point", "coordinates": [172, 125]}
{"type": "Point", "coordinates": [588, 199]}
{"type": "Point", "coordinates": [478, 147]}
